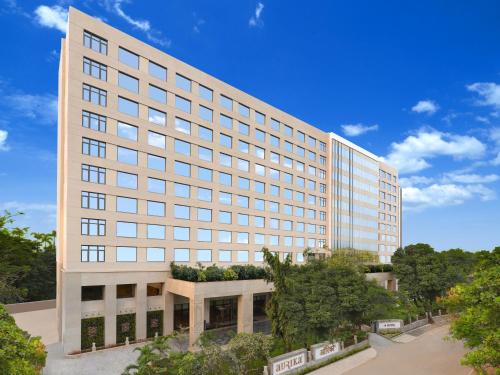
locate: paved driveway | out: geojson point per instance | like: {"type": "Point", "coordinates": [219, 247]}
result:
{"type": "Point", "coordinates": [427, 354]}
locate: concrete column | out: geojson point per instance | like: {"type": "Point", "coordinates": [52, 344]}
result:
{"type": "Point", "coordinates": [141, 306]}
{"type": "Point", "coordinates": [71, 311]}
{"type": "Point", "coordinates": [196, 317]}
{"type": "Point", "coordinates": [110, 314]}
{"type": "Point", "coordinates": [245, 313]}
{"type": "Point", "coordinates": [168, 314]}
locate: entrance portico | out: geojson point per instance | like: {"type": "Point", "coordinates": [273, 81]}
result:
{"type": "Point", "coordinates": [199, 294]}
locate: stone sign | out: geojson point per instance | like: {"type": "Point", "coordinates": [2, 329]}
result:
{"type": "Point", "coordinates": [285, 363]}
{"type": "Point", "coordinates": [389, 324]}
{"type": "Point", "coordinates": [324, 349]}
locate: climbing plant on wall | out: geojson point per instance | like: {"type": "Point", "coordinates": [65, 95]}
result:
{"type": "Point", "coordinates": [125, 327]}
{"type": "Point", "coordinates": [92, 331]}
{"type": "Point", "coordinates": [155, 323]}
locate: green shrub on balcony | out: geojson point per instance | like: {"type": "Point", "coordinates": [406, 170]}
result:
{"type": "Point", "coordinates": [216, 273]}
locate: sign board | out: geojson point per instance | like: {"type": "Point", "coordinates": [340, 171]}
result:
{"type": "Point", "coordinates": [325, 349]}
{"type": "Point", "coordinates": [389, 324]}
{"type": "Point", "coordinates": [285, 363]}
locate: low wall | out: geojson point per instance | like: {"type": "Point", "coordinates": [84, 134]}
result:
{"type": "Point", "coordinates": [16, 308]}
{"type": "Point", "coordinates": [415, 324]}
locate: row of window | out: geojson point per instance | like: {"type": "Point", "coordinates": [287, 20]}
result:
{"type": "Point", "coordinates": [388, 207]}
{"type": "Point", "coordinates": [132, 60]}
{"type": "Point", "coordinates": [386, 217]}
{"type": "Point", "coordinates": [389, 197]}
{"type": "Point", "coordinates": [387, 186]}
{"type": "Point", "coordinates": [387, 176]}
{"type": "Point", "coordinates": [96, 253]}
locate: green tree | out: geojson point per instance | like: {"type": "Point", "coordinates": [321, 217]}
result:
{"type": "Point", "coordinates": [478, 321]}
{"type": "Point", "coordinates": [20, 354]}
{"type": "Point", "coordinates": [251, 350]}
{"type": "Point", "coordinates": [154, 359]}
{"type": "Point", "coordinates": [422, 274]}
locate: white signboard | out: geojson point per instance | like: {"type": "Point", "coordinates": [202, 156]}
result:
{"type": "Point", "coordinates": [326, 350]}
{"type": "Point", "coordinates": [396, 324]}
{"type": "Point", "coordinates": [290, 363]}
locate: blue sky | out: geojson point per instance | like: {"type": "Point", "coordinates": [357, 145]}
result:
{"type": "Point", "coordinates": [417, 83]}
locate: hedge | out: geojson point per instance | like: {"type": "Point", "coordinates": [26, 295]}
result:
{"type": "Point", "coordinates": [373, 268]}
{"type": "Point", "coordinates": [216, 273]}
{"type": "Point", "coordinates": [92, 331]}
{"type": "Point", "coordinates": [154, 323]}
{"type": "Point", "coordinates": [125, 327]}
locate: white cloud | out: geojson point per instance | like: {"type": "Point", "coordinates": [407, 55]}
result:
{"type": "Point", "coordinates": [440, 195]}
{"type": "Point", "coordinates": [425, 106]}
{"type": "Point", "coordinates": [411, 155]}
{"type": "Point", "coordinates": [25, 207]}
{"type": "Point", "coordinates": [495, 137]}
{"type": "Point", "coordinates": [353, 130]}
{"type": "Point", "coordinates": [470, 178]}
{"type": "Point", "coordinates": [54, 17]}
{"type": "Point", "coordinates": [496, 161]}
{"type": "Point", "coordinates": [415, 180]}
{"type": "Point", "coordinates": [198, 22]}
{"type": "Point", "coordinates": [152, 34]}
{"type": "Point", "coordinates": [3, 140]}
{"type": "Point", "coordinates": [489, 93]}
{"type": "Point", "coordinates": [255, 20]}
{"type": "Point", "coordinates": [482, 119]}
{"type": "Point", "coordinates": [42, 108]}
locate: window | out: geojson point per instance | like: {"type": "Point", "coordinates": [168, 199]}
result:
{"type": "Point", "coordinates": [182, 147]}
{"type": "Point", "coordinates": [259, 152]}
{"type": "Point", "coordinates": [204, 235]}
{"type": "Point", "coordinates": [275, 191]}
{"type": "Point", "coordinates": [181, 190]}
{"type": "Point", "coordinates": [156, 140]}
{"type": "Point", "coordinates": [205, 174]}
{"type": "Point", "coordinates": [242, 256]}
{"type": "Point", "coordinates": [242, 201]}
{"type": "Point", "coordinates": [157, 71]}
{"type": "Point", "coordinates": [224, 236]}
{"type": "Point", "coordinates": [95, 69]}
{"type": "Point", "coordinates": [260, 135]}
{"type": "Point", "coordinates": [224, 255]}
{"type": "Point", "coordinates": [275, 125]}
{"type": "Point", "coordinates": [301, 136]}
{"type": "Point", "coordinates": [274, 223]}
{"type": "Point", "coordinates": [299, 151]}
{"type": "Point", "coordinates": [225, 179]}
{"type": "Point", "coordinates": [288, 146]}
{"type": "Point", "coordinates": [92, 253]}
{"type": "Point", "coordinates": [181, 233]}
{"type": "Point", "coordinates": [128, 58]}
{"type": "Point", "coordinates": [259, 204]}
{"type": "Point", "coordinates": [94, 121]}
{"type": "Point", "coordinates": [95, 43]}
{"type": "Point", "coordinates": [204, 153]}
{"type": "Point", "coordinates": [156, 185]}
{"type": "Point", "coordinates": [126, 155]}
{"type": "Point", "coordinates": [156, 208]}
{"type": "Point", "coordinates": [299, 166]}
{"type": "Point", "coordinates": [243, 165]}
{"type": "Point", "coordinates": [126, 254]}
{"type": "Point", "coordinates": [156, 232]}
{"type": "Point", "coordinates": [157, 94]}
{"type": "Point", "coordinates": [242, 237]}
{"type": "Point", "coordinates": [204, 255]}
{"type": "Point", "coordinates": [93, 148]}
{"type": "Point", "coordinates": [205, 113]}
{"type": "Point", "coordinates": [300, 257]}
{"type": "Point", "coordinates": [182, 104]}
{"type": "Point", "coordinates": [128, 82]}
{"type": "Point", "coordinates": [226, 102]}
{"type": "Point", "coordinates": [181, 255]}
{"type": "Point", "coordinates": [243, 220]}
{"type": "Point", "coordinates": [127, 131]}
{"type": "Point", "coordinates": [226, 122]}
{"type": "Point", "coordinates": [182, 169]}
{"type": "Point", "coordinates": [243, 128]}
{"type": "Point", "coordinates": [274, 157]}
{"type": "Point", "coordinates": [288, 130]}
{"type": "Point", "coordinates": [274, 206]}
{"type": "Point", "coordinates": [287, 162]}
{"type": "Point", "coordinates": [156, 162]}
{"type": "Point", "coordinates": [225, 217]}
{"type": "Point", "coordinates": [312, 155]}
{"type": "Point", "coordinates": [259, 187]}
{"type": "Point", "coordinates": [183, 82]}
{"type": "Point", "coordinates": [126, 180]}
{"type": "Point", "coordinates": [93, 174]}
{"type": "Point", "coordinates": [226, 140]}
{"type": "Point", "coordinates": [225, 160]}
{"type": "Point", "coordinates": [128, 107]}
{"type": "Point", "coordinates": [93, 201]}
{"type": "Point", "coordinates": [259, 239]}
{"type": "Point", "coordinates": [181, 212]}
{"type": "Point", "coordinates": [205, 133]}
{"type": "Point", "coordinates": [125, 229]}
{"type": "Point", "coordinates": [260, 170]}
{"type": "Point", "coordinates": [274, 174]}
{"type": "Point", "coordinates": [275, 141]}
{"type": "Point", "coordinates": [259, 256]}
{"type": "Point", "coordinates": [322, 146]}
{"type": "Point", "coordinates": [124, 204]}
{"type": "Point", "coordinates": [274, 240]}
{"type": "Point", "coordinates": [182, 125]}
{"type": "Point", "coordinates": [93, 227]}
{"type": "Point", "coordinates": [155, 254]}
{"type": "Point", "coordinates": [243, 147]}
{"type": "Point", "coordinates": [204, 214]}
{"type": "Point", "coordinates": [157, 117]}
{"type": "Point", "coordinates": [260, 118]}
{"type": "Point", "coordinates": [259, 221]}
{"type": "Point", "coordinates": [243, 110]}
{"type": "Point", "coordinates": [92, 293]}
{"type": "Point", "coordinates": [205, 93]}
{"type": "Point", "coordinates": [94, 95]}
{"type": "Point", "coordinates": [286, 225]}
{"type": "Point", "coordinates": [204, 194]}
{"type": "Point", "coordinates": [225, 198]}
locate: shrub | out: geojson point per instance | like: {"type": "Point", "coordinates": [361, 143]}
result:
{"type": "Point", "coordinates": [214, 273]}
{"type": "Point", "coordinates": [229, 274]}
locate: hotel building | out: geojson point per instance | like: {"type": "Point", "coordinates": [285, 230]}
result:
{"type": "Point", "coordinates": [160, 162]}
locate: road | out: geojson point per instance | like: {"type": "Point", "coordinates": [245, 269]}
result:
{"type": "Point", "coordinates": [427, 354]}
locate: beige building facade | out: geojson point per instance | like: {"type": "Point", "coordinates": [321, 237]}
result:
{"type": "Point", "coordinates": [159, 162]}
